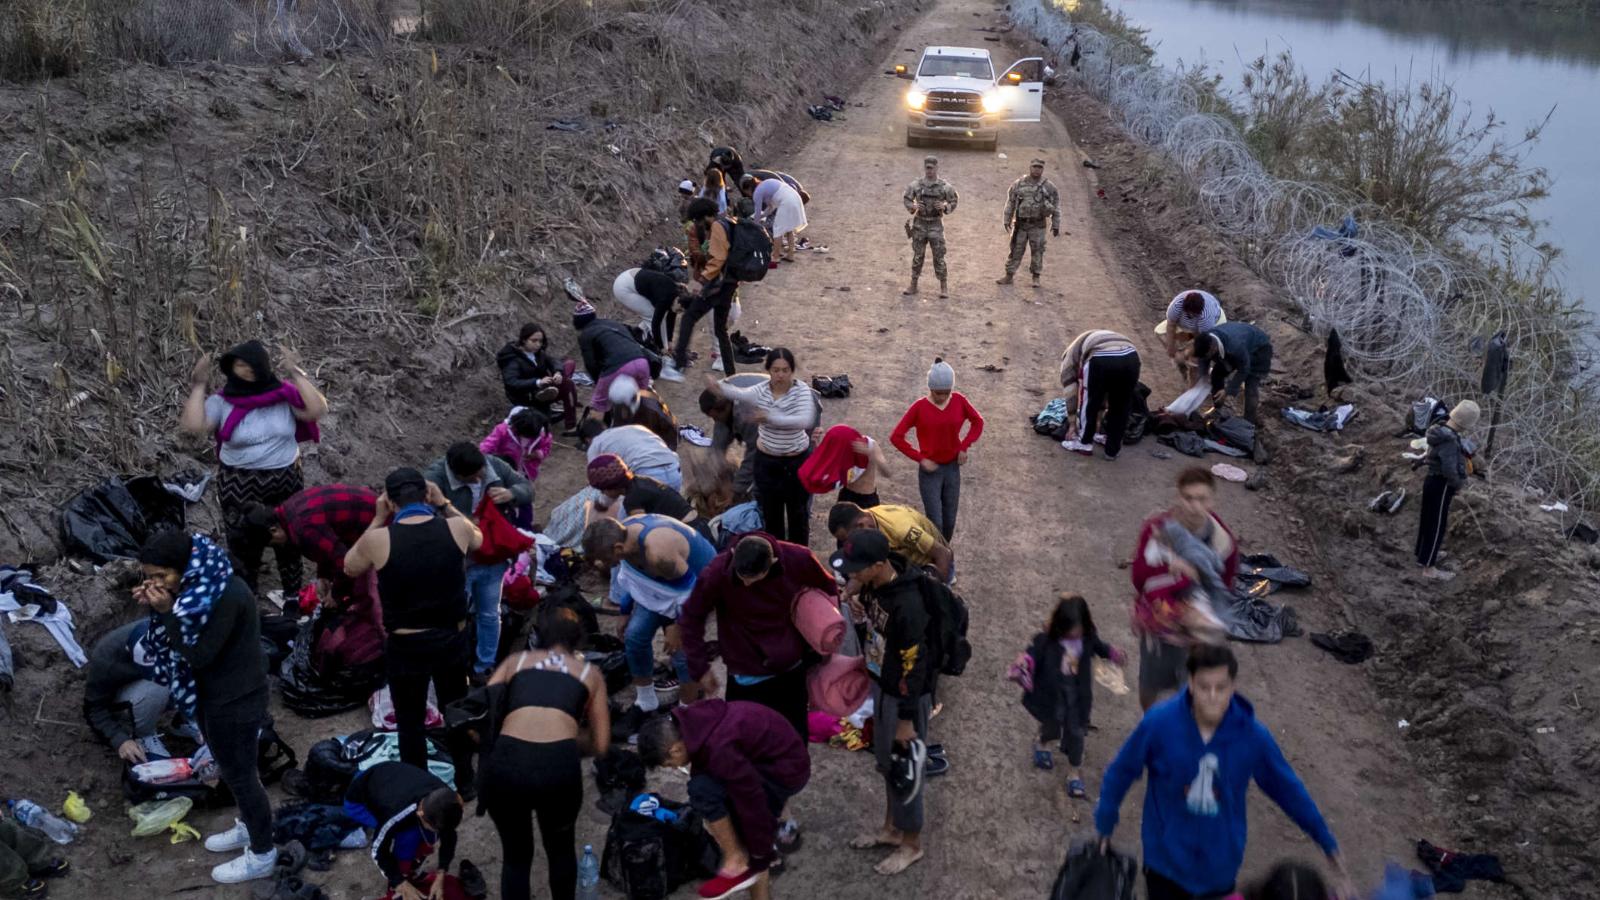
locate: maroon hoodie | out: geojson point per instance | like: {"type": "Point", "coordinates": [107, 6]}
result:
{"type": "Point", "coordinates": [755, 623]}
{"type": "Point", "coordinates": [744, 745]}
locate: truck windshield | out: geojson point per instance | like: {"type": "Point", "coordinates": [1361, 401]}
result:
{"type": "Point", "coordinates": [956, 67]}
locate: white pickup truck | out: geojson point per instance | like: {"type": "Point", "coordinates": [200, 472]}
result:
{"type": "Point", "coordinates": [955, 96]}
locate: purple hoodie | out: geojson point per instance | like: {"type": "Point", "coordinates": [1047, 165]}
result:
{"type": "Point", "coordinates": [742, 745]}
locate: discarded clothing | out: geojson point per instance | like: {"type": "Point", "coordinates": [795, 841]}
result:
{"type": "Point", "coordinates": [1051, 418]}
{"type": "Point", "coordinates": [1189, 401]}
{"type": "Point", "coordinates": [1334, 373]}
{"type": "Point", "coordinates": [26, 601]}
{"type": "Point", "coordinates": [1349, 647]}
{"type": "Point", "coordinates": [1452, 870]}
{"type": "Point", "coordinates": [1321, 420]}
{"type": "Point", "coordinates": [318, 826]}
{"type": "Point", "coordinates": [1229, 472]}
{"type": "Point", "coordinates": [693, 435]}
{"type": "Point", "coordinates": [1496, 364]}
{"type": "Point", "coordinates": [820, 113]}
{"type": "Point", "coordinates": [1402, 884]}
{"type": "Point", "coordinates": [187, 486]}
{"type": "Point", "coordinates": [1186, 442]}
{"type": "Point", "coordinates": [1388, 502]}
{"type": "Point", "coordinates": [1583, 532]}
{"type": "Point", "coordinates": [1235, 435]}
{"type": "Point", "coordinates": [1261, 574]}
{"type": "Point", "coordinates": [834, 387]}
{"type": "Point", "coordinates": [113, 519]}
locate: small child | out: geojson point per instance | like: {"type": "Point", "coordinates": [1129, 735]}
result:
{"type": "Point", "coordinates": [1057, 676]}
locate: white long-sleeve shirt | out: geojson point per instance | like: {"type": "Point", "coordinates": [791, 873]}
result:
{"type": "Point", "coordinates": [786, 432]}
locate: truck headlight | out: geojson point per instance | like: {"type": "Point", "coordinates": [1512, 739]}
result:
{"type": "Point", "coordinates": [992, 102]}
{"type": "Point", "coordinates": [915, 99]}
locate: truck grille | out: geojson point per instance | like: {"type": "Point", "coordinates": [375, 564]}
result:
{"type": "Point", "coordinates": [954, 102]}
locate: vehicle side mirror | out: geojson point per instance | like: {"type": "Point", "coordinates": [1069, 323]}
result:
{"type": "Point", "coordinates": [900, 71]}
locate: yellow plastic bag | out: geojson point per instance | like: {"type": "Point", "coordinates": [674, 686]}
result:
{"type": "Point", "coordinates": [75, 809]}
{"type": "Point", "coordinates": [182, 832]}
{"type": "Point", "coordinates": [156, 816]}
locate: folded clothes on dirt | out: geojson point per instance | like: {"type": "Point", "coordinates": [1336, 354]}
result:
{"type": "Point", "coordinates": [25, 601]}
{"type": "Point", "coordinates": [1323, 419]}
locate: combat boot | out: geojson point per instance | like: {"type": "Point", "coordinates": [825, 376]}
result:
{"type": "Point", "coordinates": [1036, 279]}
{"type": "Point", "coordinates": [944, 288]}
{"type": "Point", "coordinates": [1005, 280]}
{"type": "Point", "coordinates": [913, 288]}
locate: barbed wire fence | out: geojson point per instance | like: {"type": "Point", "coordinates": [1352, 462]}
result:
{"type": "Point", "coordinates": [1407, 310]}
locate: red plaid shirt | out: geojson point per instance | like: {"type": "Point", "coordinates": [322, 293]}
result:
{"type": "Point", "coordinates": [324, 521]}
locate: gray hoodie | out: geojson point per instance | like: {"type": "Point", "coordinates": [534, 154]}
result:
{"type": "Point", "coordinates": [1446, 457]}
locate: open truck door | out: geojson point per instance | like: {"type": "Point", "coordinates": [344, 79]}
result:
{"type": "Point", "coordinates": [1021, 90]}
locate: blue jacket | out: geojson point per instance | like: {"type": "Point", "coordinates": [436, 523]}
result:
{"type": "Point", "coordinates": [1197, 847]}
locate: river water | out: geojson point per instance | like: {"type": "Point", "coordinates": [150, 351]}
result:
{"type": "Point", "coordinates": [1517, 61]}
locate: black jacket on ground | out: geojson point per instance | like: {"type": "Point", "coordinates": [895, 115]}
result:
{"type": "Point", "coordinates": [230, 668]}
{"type": "Point", "coordinates": [385, 798]}
{"type": "Point", "coordinates": [898, 613]}
{"type": "Point", "coordinates": [1057, 697]}
{"type": "Point", "coordinates": [111, 668]}
{"type": "Point", "coordinates": [607, 346]}
{"type": "Point", "coordinates": [521, 375]}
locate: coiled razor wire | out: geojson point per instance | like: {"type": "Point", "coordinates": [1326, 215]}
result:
{"type": "Point", "coordinates": [1407, 310]}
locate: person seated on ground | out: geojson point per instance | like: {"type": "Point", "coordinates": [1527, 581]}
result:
{"type": "Point", "coordinates": [411, 812]}
{"type": "Point", "coordinates": [121, 699]}
{"type": "Point", "coordinates": [321, 523]}
{"type": "Point", "coordinates": [468, 479]}
{"type": "Point", "coordinates": [205, 642]}
{"type": "Point", "coordinates": [633, 405]}
{"type": "Point", "coordinates": [27, 857]}
{"type": "Point", "coordinates": [654, 296]}
{"type": "Point", "coordinates": [533, 764]}
{"type": "Point", "coordinates": [658, 561]}
{"type": "Point", "coordinates": [609, 349]}
{"type": "Point", "coordinates": [910, 534]}
{"type": "Point", "coordinates": [745, 763]}
{"type": "Point", "coordinates": [637, 495]}
{"type": "Point", "coordinates": [523, 440]}
{"type": "Point", "coordinates": [533, 379]}
{"type": "Point", "coordinates": [1236, 353]}
{"type": "Point", "coordinates": [643, 450]}
{"type": "Point", "coordinates": [1189, 314]}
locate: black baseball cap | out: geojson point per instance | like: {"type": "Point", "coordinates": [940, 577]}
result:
{"type": "Point", "coordinates": [403, 478]}
{"type": "Point", "coordinates": [864, 547]}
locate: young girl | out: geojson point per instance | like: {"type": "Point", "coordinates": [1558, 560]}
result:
{"type": "Point", "coordinates": [523, 440]}
{"type": "Point", "coordinates": [941, 448]}
{"type": "Point", "coordinates": [1057, 676]}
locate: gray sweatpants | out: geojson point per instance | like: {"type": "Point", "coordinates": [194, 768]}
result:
{"type": "Point", "coordinates": [906, 816]}
{"type": "Point", "coordinates": [941, 496]}
{"type": "Point", "coordinates": [148, 701]}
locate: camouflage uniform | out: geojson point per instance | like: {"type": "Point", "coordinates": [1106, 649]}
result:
{"type": "Point", "coordinates": [1030, 202]}
{"type": "Point", "coordinates": [928, 201]}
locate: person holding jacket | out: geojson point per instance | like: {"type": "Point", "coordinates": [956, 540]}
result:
{"type": "Point", "coordinates": [1447, 460]}
{"type": "Point", "coordinates": [900, 654]}
{"type": "Point", "coordinates": [941, 449]}
{"type": "Point", "coordinates": [745, 764]}
{"type": "Point", "coordinates": [205, 642]}
{"type": "Point", "coordinates": [411, 812]}
{"type": "Point", "coordinates": [532, 378]}
{"type": "Point", "coordinates": [1202, 748]}
{"type": "Point", "coordinates": [121, 699]}
{"type": "Point", "coordinates": [1101, 370]}
{"type": "Point", "coordinates": [609, 349]}
{"type": "Point", "coordinates": [714, 290]}
{"type": "Point", "coordinates": [1237, 353]}
{"type": "Point", "coordinates": [468, 479]}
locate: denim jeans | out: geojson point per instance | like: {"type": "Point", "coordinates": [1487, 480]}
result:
{"type": "Point", "coordinates": [670, 475]}
{"type": "Point", "coordinates": [638, 644]}
{"type": "Point", "coordinates": [483, 598]}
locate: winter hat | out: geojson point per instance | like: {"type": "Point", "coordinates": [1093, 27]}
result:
{"type": "Point", "coordinates": [607, 472]}
{"type": "Point", "coordinates": [582, 314]}
{"type": "Point", "coordinates": [1464, 416]}
{"type": "Point", "coordinates": [624, 391]}
{"type": "Point", "coordinates": [941, 377]}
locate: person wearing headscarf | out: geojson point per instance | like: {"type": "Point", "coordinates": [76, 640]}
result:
{"type": "Point", "coordinates": [258, 422]}
{"type": "Point", "coordinates": [1449, 461]}
{"type": "Point", "coordinates": [204, 640]}
{"type": "Point", "coordinates": [941, 448]}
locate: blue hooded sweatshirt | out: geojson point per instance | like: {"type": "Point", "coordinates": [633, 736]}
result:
{"type": "Point", "coordinates": [1194, 825]}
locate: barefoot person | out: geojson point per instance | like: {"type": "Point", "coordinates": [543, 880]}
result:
{"type": "Point", "coordinates": [901, 655]}
{"type": "Point", "coordinates": [1202, 749]}
{"type": "Point", "coordinates": [745, 763]}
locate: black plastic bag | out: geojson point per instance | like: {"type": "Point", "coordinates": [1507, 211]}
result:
{"type": "Point", "coordinates": [1088, 874]}
{"type": "Point", "coordinates": [316, 694]}
{"type": "Point", "coordinates": [104, 522]}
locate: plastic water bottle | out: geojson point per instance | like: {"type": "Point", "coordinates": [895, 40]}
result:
{"type": "Point", "coordinates": [588, 875]}
{"type": "Point", "coordinates": [35, 816]}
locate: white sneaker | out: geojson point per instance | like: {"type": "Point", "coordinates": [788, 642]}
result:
{"type": "Point", "coordinates": [716, 364]}
{"type": "Point", "coordinates": [235, 838]}
{"type": "Point", "coordinates": [669, 372]}
{"type": "Point", "coordinates": [1100, 439]}
{"type": "Point", "coordinates": [1075, 447]}
{"type": "Point", "coordinates": [248, 867]}
{"type": "Point", "coordinates": [154, 748]}
{"type": "Point", "coordinates": [355, 840]}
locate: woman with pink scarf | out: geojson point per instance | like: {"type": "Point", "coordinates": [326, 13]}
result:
{"type": "Point", "coordinates": [258, 422]}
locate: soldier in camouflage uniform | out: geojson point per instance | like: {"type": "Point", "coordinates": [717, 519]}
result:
{"type": "Point", "coordinates": [1032, 198]}
{"type": "Point", "coordinates": [928, 199]}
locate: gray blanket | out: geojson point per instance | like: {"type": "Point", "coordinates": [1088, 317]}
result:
{"type": "Point", "coordinates": [1244, 617]}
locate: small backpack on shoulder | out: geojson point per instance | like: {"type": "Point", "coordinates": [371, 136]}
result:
{"type": "Point", "coordinates": [749, 250]}
{"type": "Point", "coordinates": [948, 626]}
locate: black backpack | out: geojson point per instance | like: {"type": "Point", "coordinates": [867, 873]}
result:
{"type": "Point", "coordinates": [669, 261]}
{"type": "Point", "coordinates": [948, 625]}
{"type": "Point", "coordinates": [749, 250]}
{"type": "Point", "coordinates": [649, 859]}
{"type": "Point", "coordinates": [1088, 874]}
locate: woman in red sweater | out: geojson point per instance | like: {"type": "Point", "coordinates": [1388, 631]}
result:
{"type": "Point", "coordinates": [941, 449]}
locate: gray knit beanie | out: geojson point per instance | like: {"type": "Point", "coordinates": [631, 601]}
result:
{"type": "Point", "coordinates": [941, 377]}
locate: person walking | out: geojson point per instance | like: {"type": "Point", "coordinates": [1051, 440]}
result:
{"type": "Point", "coordinates": [411, 812]}
{"type": "Point", "coordinates": [779, 209]}
{"type": "Point", "coordinates": [1030, 201]}
{"type": "Point", "coordinates": [533, 765]}
{"type": "Point", "coordinates": [1449, 461]}
{"type": "Point", "coordinates": [258, 422]}
{"type": "Point", "coordinates": [418, 542]}
{"type": "Point", "coordinates": [714, 290]}
{"type": "Point", "coordinates": [1100, 369]}
{"type": "Point", "coordinates": [1237, 353]}
{"type": "Point", "coordinates": [654, 296]}
{"type": "Point", "coordinates": [1201, 749]}
{"type": "Point", "coordinates": [1057, 676]}
{"type": "Point", "coordinates": [941, 449]}
{"type": "Point", "coordinates": [204, 640]}
{"type": "Point", "coordinates": [532, 378]}
{"type": "Point", "coordinates": [928, 199]}
{"type": "Point", "coordinates": [785, 411]}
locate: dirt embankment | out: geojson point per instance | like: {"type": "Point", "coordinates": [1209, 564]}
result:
{"type": "Point", "coordinates": [1493, 672]}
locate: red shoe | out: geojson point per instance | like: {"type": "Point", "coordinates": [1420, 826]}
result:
{"type": "Point", "coordinates": [727, 885]}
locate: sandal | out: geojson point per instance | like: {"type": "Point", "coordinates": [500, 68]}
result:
{"type": "Point", "coordinates": [1076, 789]}
{"type": "Point", "coordinates": [1044, 759]}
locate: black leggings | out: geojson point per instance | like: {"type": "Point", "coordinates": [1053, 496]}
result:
{"type": "Point", "coordinates": [1109, 385]}
{"type": "Point", "coordinates": [1435, 520]}
{"type": "Point", "coordinates": [523, 779]}
{"type": "Point", "coordinates": [234, 735]}
{"type": "Point", "coordinates": [784, 501]}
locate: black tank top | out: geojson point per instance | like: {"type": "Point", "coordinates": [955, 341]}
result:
{"type": "Point", "coordinates": [549, 686]}
{"type": "Point", "coordinates": [424, 583]}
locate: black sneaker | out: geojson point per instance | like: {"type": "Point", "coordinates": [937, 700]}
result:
{"type": "Point", "coordinates": [936, 766]}
{"type": "Point", "coordinates": [906, 769]}
{"type": "Point", "coordinates": [473, 884]}
{"type": "Point", "coordinates": [33, 889]}
{"type": "Point", "coordinates": [55, 868]}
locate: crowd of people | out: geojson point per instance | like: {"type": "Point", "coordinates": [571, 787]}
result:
{"type": "Point", "coordinates": [686, 532]}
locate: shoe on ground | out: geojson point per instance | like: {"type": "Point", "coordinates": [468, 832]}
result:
{"type": "Point", "coordinates": [54, 868]}
{"type": "Point", "coordinates": [935, 749]}
{"type": "Point", "coordinates": [355, 840]}
{"type": "Point", "coordinates": [716, 364]}
{"type": "Point", "coordinates": [669, 372]}
{"type": "Point", "coordinates": [235, 838]}
{"type": "Point", "coordinates": [1075, 447]}
{"type": "Point", "coordinates": [935, 766]}
{"type": "Point", "coordinates": [722, 885]}
{"type": "Point", "coordinates": [789, 836]}
{"type": "Point", "coordinates": [248, 867]}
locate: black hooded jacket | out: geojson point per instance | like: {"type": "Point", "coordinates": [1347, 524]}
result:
{"type": "Point", "coordinates": [521, 375]}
